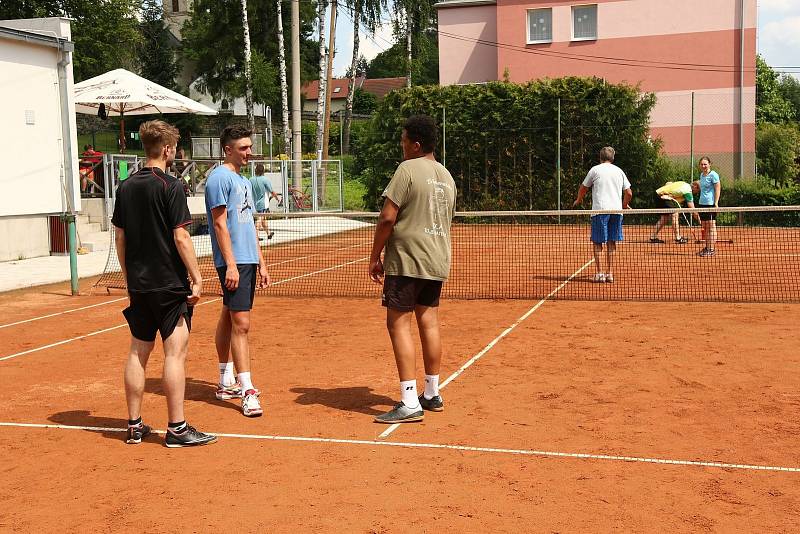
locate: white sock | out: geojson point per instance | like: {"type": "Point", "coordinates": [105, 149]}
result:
{"type": "Point", "coordinates": [408, 393]}
{"type": "Point", "coordinates": [246, 382]}
{"type": "Point", "coordinates": [226, 376]}
{"type": "Point", "coordinates": [431, 386]}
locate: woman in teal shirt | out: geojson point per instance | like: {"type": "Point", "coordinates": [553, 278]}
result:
{"type": "Point", "coordinates": [709, 198]}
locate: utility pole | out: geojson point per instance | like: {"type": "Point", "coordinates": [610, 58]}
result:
{"type": "Point", "coordinates": [297, 135]}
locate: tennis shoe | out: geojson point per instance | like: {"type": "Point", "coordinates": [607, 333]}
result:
{"type": "Point", "coordinates": [250, 405]}
{"type": "Point", "coordinates": [599, 278]}
{"type": "Point", "coordinates": [435, 404]}
{"type": "Point", "coordinates": [137, 433]}
{"type": "Point", "coordinates": [707, 253]}
{"type": "Point", "coordinates": [656, 240]}
{"type": "Point", "coordinates": [401, 414]}
{"type": "Point", "coordinates": [609, 278]}
{"type": "Point", "coordinates": [681, 241]}
{"type": "Point", "coordinates": [191, 437]}
{"type": "Point", "coordinates": [234, 391]}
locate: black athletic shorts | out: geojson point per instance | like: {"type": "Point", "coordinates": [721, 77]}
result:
{"type": "Point", "coordinates": [665, 204]}
{"type": "Point", "coordinates": [157, 311]}
{"type": "Point", "coordinates": [240, 299]}
{"type": "Point", "coordinates": [707, 216]}
{"type": "Point", "coordinates": [403, 293]}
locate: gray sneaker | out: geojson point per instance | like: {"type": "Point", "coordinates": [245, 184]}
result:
{"type": "Point", "coordinates": [436, 404]}
{"type": "Point", "coordinates": [191, 437]}
{"type": "Point", "coordinates": [401, 414]}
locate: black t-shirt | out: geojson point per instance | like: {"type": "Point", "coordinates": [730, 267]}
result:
{"type": "Point", "coordinates": [150, 205]}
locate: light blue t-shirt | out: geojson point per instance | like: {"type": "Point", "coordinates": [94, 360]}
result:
{"type": "Point", "coordinates": [707, 187]}
{"type": "Point", "coordinates": [227, 188]}
{"type": "Point", "coordinates": [262, 190]}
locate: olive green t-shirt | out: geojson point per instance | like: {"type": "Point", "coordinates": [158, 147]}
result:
{"type": "Point", "coordinates": [419, 246]}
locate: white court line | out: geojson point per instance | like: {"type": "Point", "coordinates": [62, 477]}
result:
{"type": "Point", "coordinates": [29, 351]}
{"type": "Point", "coordinates": [494, 342]}
{"type": "Point", "coordinates": [439, 446]}
{"type": "Point", "coordinates": [62, 313]}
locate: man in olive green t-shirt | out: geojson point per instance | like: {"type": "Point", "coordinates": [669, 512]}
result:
{"type": "Point", "coordinates": [414, 228]}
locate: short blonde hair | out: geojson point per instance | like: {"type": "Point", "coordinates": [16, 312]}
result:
{"type": "Point", "coordinates": [155, 135]}
{"type": "Point", "coordinates": [607, 154]}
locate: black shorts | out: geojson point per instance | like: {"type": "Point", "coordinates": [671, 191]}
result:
{"type": "Point", "coordinates": [404, 293]}
{"type": "Point", "coordinates": [707, 216]}
{"type": "Point", "coordinates": [157, 311]}
{"type": "Point", "coordinates": [240, 299]}
{"type": "Point", "coordinates": [666, 204]}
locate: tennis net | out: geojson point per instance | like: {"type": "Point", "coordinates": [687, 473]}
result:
{"type": "Point", "coordinates": [534, 255]}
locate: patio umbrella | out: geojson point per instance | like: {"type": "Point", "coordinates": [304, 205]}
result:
{"type": "Point", "coordinates": [124, 93]}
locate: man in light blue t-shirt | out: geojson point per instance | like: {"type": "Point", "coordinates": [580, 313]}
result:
{"type": "Point", "coordinates": [262, 192]}
{"type": "Point", "coordinates": [240, 266]}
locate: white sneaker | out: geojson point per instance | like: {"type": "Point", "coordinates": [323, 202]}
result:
{"type": "Point", "coordinates": [599, 278]}
{"type": "Point", "coordinates": [250, 405]}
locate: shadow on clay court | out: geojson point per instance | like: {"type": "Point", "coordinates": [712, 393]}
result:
{"type": "Point", "coordinates": [196, 391]}
{"type": "Point", "coordinates": [358, 399]}
{"type": "Point", "coordinates": [85, 418]}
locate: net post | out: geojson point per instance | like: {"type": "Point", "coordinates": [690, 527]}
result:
{"type": "Point", "coordinates": [558, 160]}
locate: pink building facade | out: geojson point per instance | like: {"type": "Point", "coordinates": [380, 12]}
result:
{"type": "Point", "coordinates": [684, 51]}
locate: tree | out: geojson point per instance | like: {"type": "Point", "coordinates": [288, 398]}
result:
{"type": "Point", "coordinates": [323, 74]}
{"type": "Point", "coordinates": [287, 131]}
{"type": "Point", "coordinates": [416, 17]}
{"type": "Point", "coordinates": [778, 152]}
{"type": "Point", "coordinates": [771, 106]}
{"type": "Point", "coordinates": [789, 87]}
{"type": "Point", "coordinates": [212, 40]}
{"type": "Point", "coordinates": [105, 39]}
{"type": "Point", "coordinates": [368, 13]}
{"type": "Point", "coordinates": [248, 74]}
{"type": "Point", "coordinates": [364, 103]}
{"type": "Point", "coordinates": [424, 64]}
{"type": "Point", "coordinates": [156, 56]}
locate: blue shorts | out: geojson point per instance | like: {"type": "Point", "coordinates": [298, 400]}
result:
{"type": "Point", "coordinates": [606, 228]}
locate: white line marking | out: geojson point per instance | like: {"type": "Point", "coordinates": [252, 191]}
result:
{"type": "Point", "coordinates": [62, 313]}
{"type": "Point", "coordinates": [462, 448]}
{"type": "Point", "coordinates": [10, 356]}
{"type": "Point", "coordinates": [496, 340]}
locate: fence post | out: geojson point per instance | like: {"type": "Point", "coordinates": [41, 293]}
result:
{"type": "Point", "coordinates": [558, 159]}
{"type": "Point", "coordinates": [444, 136]}
{"type": "Point", "coordinates": [314, 190]}
{"type": "Point", "coordinates": [341, 186]}
{"type": "Point", "coordinates": [691, 145]}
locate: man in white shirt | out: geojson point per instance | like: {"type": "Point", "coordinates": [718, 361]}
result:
{"type": "Point", "coordinates": [611, 190]}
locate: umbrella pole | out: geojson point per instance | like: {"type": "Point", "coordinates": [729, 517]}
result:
{"type": "Point", "coordinates": [122, 130]}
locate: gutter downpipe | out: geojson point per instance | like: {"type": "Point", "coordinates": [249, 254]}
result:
{"type": "Point", "coordinates": [741, 92]}
{"type": "Point", "coordinates": [66, 48]}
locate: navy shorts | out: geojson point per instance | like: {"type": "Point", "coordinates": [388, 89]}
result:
{"type": "Point", "coordinates": [404, 293]}
{"type": "Point", "coordinates": [241, 299]}
{"type": "Point", "coordinates": [606, 228]}
{"type": "Point", "coordinates": [157, 311]}
{"type": "Point", "coordinates": [707, 216]}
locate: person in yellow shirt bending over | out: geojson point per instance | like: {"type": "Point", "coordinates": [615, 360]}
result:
{"type": "Point", "coordinates": [671, 195]}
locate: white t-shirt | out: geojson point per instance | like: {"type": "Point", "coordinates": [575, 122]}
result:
{"type": "Point", "coordinates": [607, 182]}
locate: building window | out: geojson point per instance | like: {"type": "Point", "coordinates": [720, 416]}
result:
{"type": "Point", "coordinates": [540, 26]}
{"type": "Point", "coordinates": [584, 22]}
{"type": "Point", "coordinates": [175, 6]}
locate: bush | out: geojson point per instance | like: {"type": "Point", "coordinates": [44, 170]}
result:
{"type": "Point", "coordinates": [502, 138]}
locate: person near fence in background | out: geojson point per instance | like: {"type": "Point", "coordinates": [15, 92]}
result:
{"type": "Point", "coordinates": [414, 228]}
{"type": "Point", "coordinates": [240, 266]}
{"type": "Point", "coordinates": [155, 251]}
{"type": "Point", "coordinates": [670, 196]}
{"type": "Point", "coordinates": [710, 188]}
{"type": "Point", "coordinates": [263, 193]}
{"type": "Point", "coordinates": [611, 190]}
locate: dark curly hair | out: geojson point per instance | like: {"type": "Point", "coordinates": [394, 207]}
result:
{"type": "Point", "coordinates": [233, 133]}
{"type": "Point", "coordinates": [422, 129]}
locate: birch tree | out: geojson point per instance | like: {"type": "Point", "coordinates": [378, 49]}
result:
{"type": "Point", "coordinates": [248, 76]}
{"type": "Point", "coordinates": [287, 131]}
{"type": "Point", "coordinates": [323, 74]}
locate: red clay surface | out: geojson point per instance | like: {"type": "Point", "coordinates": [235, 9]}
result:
{"type": "Point", "coordinates": [706, 382]}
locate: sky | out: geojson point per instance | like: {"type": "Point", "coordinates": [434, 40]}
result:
{"type": "Point", "coordinates": [778, 37]}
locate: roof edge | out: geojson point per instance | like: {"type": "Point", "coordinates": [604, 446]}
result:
{"type": "Point", "coordinates": [463, 3]}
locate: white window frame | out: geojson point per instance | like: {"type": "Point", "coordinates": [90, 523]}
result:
{"type": "Point", "coordinates": [528, 39]}
{"type": "Point", "coordinates": [596, 22]}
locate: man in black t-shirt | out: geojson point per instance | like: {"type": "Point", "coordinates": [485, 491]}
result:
{"type": "Point", "coordinates": [155, 250]}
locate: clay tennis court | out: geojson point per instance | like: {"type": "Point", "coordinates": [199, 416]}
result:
{"type": "Point", "coordinates": [561, 416]}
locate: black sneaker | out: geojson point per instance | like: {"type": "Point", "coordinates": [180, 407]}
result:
{"type": "Point", "coordinates": [188, 438]}
{"type": "Point", "coordinates": [137, 433]}
{"type": "Point", "coordinates": [436, 404]}
{"type": "Point", "coordinates": [656, 241]}
{"type": "Point", "coordinates": [401, 414]}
